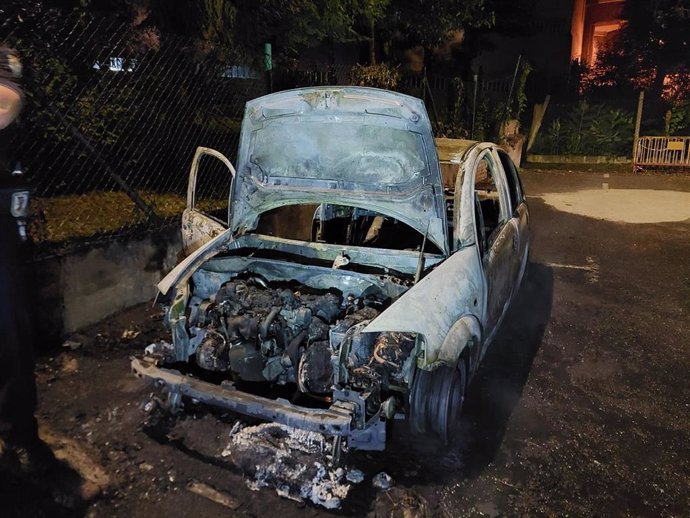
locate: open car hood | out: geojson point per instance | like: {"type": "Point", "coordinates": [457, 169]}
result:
{"type": "Point", "coordinates": [354, 146]}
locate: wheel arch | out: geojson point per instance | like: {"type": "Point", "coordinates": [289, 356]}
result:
{"type": "Point", "coordinates": [463, 339]}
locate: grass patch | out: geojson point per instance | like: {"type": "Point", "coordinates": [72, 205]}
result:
{"type": "Point", "coordinates": [64, 218]}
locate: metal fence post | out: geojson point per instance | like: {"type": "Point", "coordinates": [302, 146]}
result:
{"type": "Point", "coordinates": [79, 137]}
{"type": "Point", "coordinates": [474, 104]}
{"type": "Point", "coordinates": [268, 65]}
{"type": "Point", "coordinates": [638, 123]}
{"type": "Point", "coordinates": [431, 97]}
{"type": "Point", "coordinates": [509, 101]}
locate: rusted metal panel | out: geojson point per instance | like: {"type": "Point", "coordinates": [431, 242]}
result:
{"type": "Point", "coordinates": [198, 229]}
{"type": "Point", "coordinates": [335, 420]}
{"type": "Point", "coordinates": [662, 152]}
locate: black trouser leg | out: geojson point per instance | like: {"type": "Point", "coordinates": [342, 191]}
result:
{"type": "Point", "coordinates": [17, 384]}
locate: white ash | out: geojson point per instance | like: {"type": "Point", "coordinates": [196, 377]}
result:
{"type": "Point", "coordinates": [270, 434]}
{"type": "Point", "coordinates": [292, 461]}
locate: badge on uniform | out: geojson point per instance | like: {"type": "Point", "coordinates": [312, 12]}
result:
{"type": "Point", "coordinates": [19, 207]}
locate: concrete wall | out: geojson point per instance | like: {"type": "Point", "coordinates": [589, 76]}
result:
{"type": "Point", "coordinates": [87, 286]}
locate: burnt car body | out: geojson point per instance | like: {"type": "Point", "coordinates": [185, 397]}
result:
{"type": "Point", "coordinates": [385, 309]}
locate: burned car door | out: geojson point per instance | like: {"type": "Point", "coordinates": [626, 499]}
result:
{"type": "Point", "coordinates": [206, 214]}
{"type": "Point", "coordinates": [519, 214]}
{"type": "Point", "coordinates": [498, 236]}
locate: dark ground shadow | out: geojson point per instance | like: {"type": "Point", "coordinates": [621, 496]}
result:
{"type": "Point", "coordinates": [499, 383]}
{"type": "Point", "coordinates": [55, 494]}
{"type": "Point", "coordinates": [492, 396]}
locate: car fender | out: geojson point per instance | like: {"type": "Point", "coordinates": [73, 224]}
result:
{"type": "Point", "coordinates": [465, 333]}
{"type": "Point", "coordinates": [436, 306]}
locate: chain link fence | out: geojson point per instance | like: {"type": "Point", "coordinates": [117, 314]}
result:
{"type": "Point", "coordinates": [115, 113]}
{"type": "Point", "coordinates": [112, 120]}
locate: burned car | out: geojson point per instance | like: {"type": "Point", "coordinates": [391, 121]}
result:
{"type": "Point", "coordinates": [397, 259]}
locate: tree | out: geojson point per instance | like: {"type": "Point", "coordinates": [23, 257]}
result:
{"type": "Point", "coordinates": [429, 22]}
{"type": "Point", "coordinates": [373, 10]}
{"type": "Point", "coordinates": [238, 28]}
{"type": "Point", "coordinates": [292, 25]}
{"type": "Point", "coordinates": [651, 51]}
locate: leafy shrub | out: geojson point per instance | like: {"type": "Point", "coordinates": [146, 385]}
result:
{"type": "Point", "coordinates": [613, 132]}
{"type": "Point", "coordinates": [589, 130]}
{"type": "Point", "coordinates": [380, 75]}
{"type": "Point", "coordinates": [458, 120]}
{"type": "Point", "coordinates": [679, 121]}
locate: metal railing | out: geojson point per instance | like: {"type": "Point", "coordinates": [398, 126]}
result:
{"type": "Point", "coordinates": [662, 152]}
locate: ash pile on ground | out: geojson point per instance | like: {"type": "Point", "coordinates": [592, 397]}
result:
{"type": "Point", "coordinates": [294, 462]}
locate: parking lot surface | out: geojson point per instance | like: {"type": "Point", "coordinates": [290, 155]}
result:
{"type": "Point", "coordinates": [580, 407]}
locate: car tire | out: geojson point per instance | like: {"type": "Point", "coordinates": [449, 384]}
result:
{"type": "Point", "coordinates": [437, 400]}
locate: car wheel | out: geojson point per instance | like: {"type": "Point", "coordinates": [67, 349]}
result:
{"type": "Point", "coordinates": [437, 399]}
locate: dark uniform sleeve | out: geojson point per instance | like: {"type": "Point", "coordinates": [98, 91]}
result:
{"type": "Point", "coordinates": [17, 384]}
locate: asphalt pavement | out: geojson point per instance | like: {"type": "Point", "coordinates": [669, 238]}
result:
{"type": "Point", "coordinates": [580, 408]}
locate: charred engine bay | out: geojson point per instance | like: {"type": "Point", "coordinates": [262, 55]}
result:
{"type": "Point", "coordinates": [288, 334]}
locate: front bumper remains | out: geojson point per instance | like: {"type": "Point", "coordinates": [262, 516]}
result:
{"type": "Point", "coordinates": [342, 419]}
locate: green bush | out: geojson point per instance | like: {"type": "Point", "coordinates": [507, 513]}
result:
{"type": "Point", "coordinates": [679, 120]}
{"type": "Point", "coordinates": [381, 75]}
{"type": "Point", "coordinates": [589, 130]}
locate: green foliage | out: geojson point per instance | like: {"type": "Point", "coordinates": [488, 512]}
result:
{"type": "Point", "coordinates": [380, 75]}
{"type": "Point", "coordinates": [588, 130]}
{"type": "Point", "coordinates": [513, 109]}
{"type": "Point", "coordinates": [95, 119]}
{"type": "Point", "coordinates": [522, 90]}
{"type": "Point", "coordinates": [487, 119]}
{"type": "Point", "coordinates": [291, 25]}
{"type": "Point", "coordinates": [449, 129]}
{"type": "Point", "coordinates": [237, 29]}
{"type": "Point", "coordinates": [429, 22]}
{"type": "Point", "coordinates": [679, 122]}
{"type": "Point", "coordinates": [613, 132]}
{"type": "Point", "coordinates": [552, 142]}
{"type": "Point", "coordinates": [578, 132]}
{"type": "Point", "coordinates": [217, 16]}
{"type": "Point", "coordinates": [57, 77]}
{"type": "Point", "coordinates": [374, 9]}
{"type": "Point", "coordinates": [458, 122]}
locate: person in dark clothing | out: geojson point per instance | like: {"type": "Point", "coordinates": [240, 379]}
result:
{"type": "Point", "coordinates": [19, 438]}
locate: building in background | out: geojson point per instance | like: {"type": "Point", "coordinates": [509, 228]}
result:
{"type": "Point", "coordinates": [550, 34]}
{"type": "Point", "coordinates": [593, 22]}
{"type": "Point", "coordinates": [539, 30]}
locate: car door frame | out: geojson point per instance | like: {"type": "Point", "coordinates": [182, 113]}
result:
{"type": "Point", "coordinates": [499, 243]}
{"type": "Point", "coordinates": [520, 213]}
{"type": "Point", "coordinates": [198, 227]}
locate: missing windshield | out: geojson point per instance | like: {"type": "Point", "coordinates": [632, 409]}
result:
{"type": "Point", "coordinates": [342, 225]}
